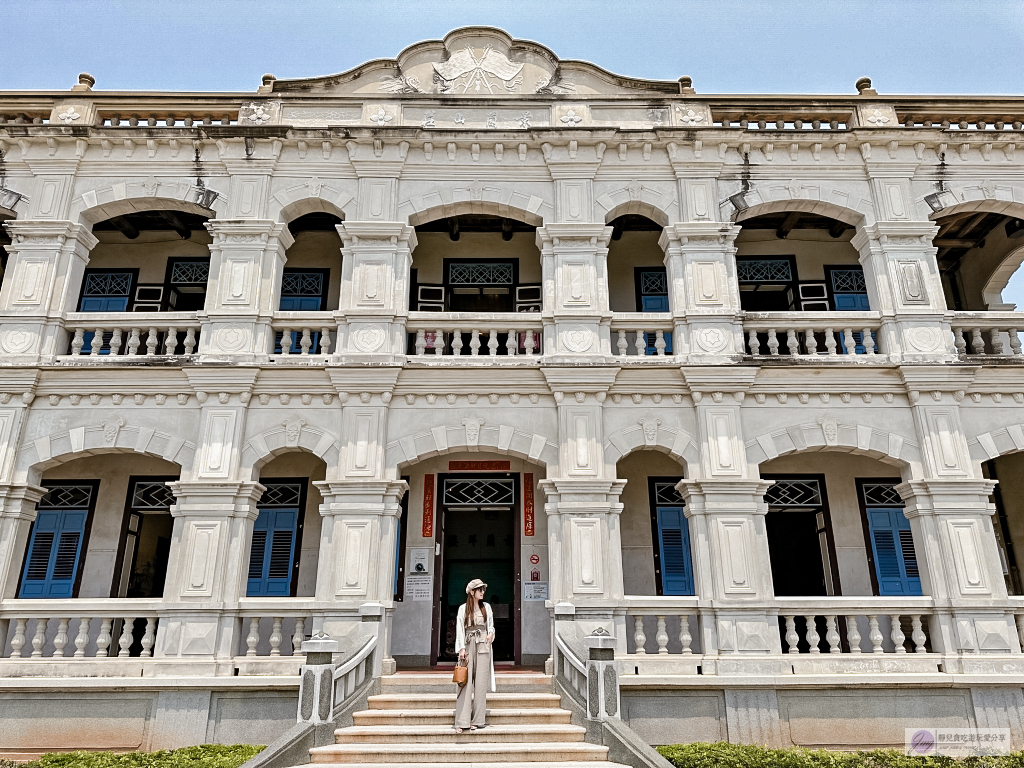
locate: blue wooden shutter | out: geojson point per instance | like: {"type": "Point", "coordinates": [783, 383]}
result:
{"type": "Point", "coordinates": [893, 547]}
{"type": "Point", "coordinates": [55, 547]}
{"type": "Point", "coordinates": [674, 547]}
{"type": "Point", "coordinates": [273, 553]}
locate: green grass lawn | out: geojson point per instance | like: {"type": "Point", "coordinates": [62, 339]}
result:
{"type": "Point", "coordinates": [204, 756]}
{"type": "Point", "coordinates": [723, 755]}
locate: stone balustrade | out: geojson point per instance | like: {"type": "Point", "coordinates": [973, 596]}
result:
{"type": "Point", "coordinates": [471, 335]}
{"type": "Point", "coordinates": [987, 334]}
{"type": "Point", "coordinates": [309, 333]}
{"type": "Point", "coordinates": [132, 334]}
{"type": "Point", "coordinates": [641, 334]}
{"type": "Point", "coordinates": [70, 629]}
{"type": "Point", "coordinates": [827, 334]}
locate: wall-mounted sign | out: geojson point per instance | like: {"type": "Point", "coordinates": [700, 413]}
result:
{"type": "Point", "coordinates": [428, 507]}
{"type": "Point", "coordinates": [532, 590]}
{"type": "Point", "coordinates": [418, 588]}
{"type": "Point", "coordinates": [479, 466]}
{"type": "Point", "coordinates": [534, 559]}
{"type": "Point", "coordinates": [528, 527]}
{"type": "Point", "coordinates": [421, 560]}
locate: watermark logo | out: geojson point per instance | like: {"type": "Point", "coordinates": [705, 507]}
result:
{"type": "Point", "coordinates": [957, 742]}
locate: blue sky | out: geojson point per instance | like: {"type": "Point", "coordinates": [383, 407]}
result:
{"type": "Point", "coordinates": [726, 46]}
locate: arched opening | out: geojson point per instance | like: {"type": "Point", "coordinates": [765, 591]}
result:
{"type": "Point", "coordinates": [312, 271]}
{"type": "Point", "coordinates": [1008, 521]}
{"type": "Point", "coordinates": [471, 515]}
{"type": "Point", "coordinates": [636, 266]}
{"type": "Point", "coordinates": [979, 249]}
{"type": "Point", "coordinates": [794, 260]}
{"type": "Point", "coordinates": [102, 530]}
{"type": "Point", "coordinates": [153, 262]}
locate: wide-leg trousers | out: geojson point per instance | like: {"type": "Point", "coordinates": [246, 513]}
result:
{"type": "Point", "coordinates": [473, 695]}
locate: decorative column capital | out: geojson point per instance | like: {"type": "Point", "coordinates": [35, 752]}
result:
{"type": "Point", "coordinates": [18, 501]}
{"type": "Point", "coordinates": [205, 499]}
{"type": "Point", "coordinates": [947, 497]}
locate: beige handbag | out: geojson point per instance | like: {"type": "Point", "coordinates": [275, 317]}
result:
{"type": "Point", "coordinates": [461, 673]}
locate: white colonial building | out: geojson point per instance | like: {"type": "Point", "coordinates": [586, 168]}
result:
{"type": "Point", "coordinates": [728, 377]}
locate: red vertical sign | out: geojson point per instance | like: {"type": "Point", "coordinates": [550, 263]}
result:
{"type": "Point", "coordinates": [528, 528]}
{"type": "Point", "coordinates": [428, 506]}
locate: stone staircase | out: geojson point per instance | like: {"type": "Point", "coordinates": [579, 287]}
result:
{"type": "Point", "coordinates": [411, 722]}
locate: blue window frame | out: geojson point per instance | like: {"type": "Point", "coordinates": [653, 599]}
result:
{"type": "Point", "coordinates": [849, 294]}
{"type": "Point", "coordinates": [673, 565]}
{"type": "Point", "coordinates": [891, 540]}
{"type": "Point", "coordinates": [56, 541]}
{"type": "Point", "coordinates": [652, 296]}
{"type": "Point", "coordinates": [273, 558]}
{"type": "Point", "coordinates": [105, 290]}
{"type": "Point", "coordinates": [303, 290]}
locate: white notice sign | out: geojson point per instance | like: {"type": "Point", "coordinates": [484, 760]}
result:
{"type": "Point", "coordinates": [418, 588]}
{"type": "Point", "coordinates": [421, 557]}
{"type": "Point", "coordinates": [534, 590]}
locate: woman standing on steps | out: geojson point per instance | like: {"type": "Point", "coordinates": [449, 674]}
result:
{"type": "Point", "coordinates": [473, 637]}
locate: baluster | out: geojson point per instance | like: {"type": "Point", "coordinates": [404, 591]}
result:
{"type": "Point", "coordinates": [773, 342]}
{"type": "Point", "coordinates": [39, 638]}
{"type": "Point", "coordinates": [82, 638]}
{"type": "Point", "coordinates": [97, 341]}
{"type": "Point", "coordinates": [896, 633]}
{"type": "Point", "coordinates": [853, 634]}
{"type": "Point", "coordinates": [457, 341]}
{"type": "Point", "coordinates": [868, 341]}
{"type": "Point", "coordinates": [832, 634]}
{"type": "Point", "coordinates": [639, 638]}
{"type": "Point", "coordinates": [622, 345]}
{"type": "Point", "coordinates": [125, 641]}
{"type": "Point", "coordinates": [995, 337]}
{"type": "Point", "coordinates": [298, 635]}
{"type": "Point", "coordinates": [512, 343]}
{"type": "Point", "coordinates": [115, 343]}
{"type": "Point", "coordinates": [792, 342]}
{"type": "Point", "coordinates": [190, 340]}
{"type": "Point", "coordinates": [810, 342]}
{"type": "Point", "coordinates": [917, 634]}
{"type": "Point", "coordinates": [152, 341]}
{"type": "Point", "coordinates": [492, 342]}
{"type": "Point", "coordinates": [661, 637]}
{"type": "Point", "coordinates": [874, 634]}
{"type": "Point", "coordinates": [959, 341]}
{"type": "Point", "coordinates": [438, 341]}
{"type": "Point", "coordinates": [529, 343]}
{"type": "Point", "coordinates": [421, 341]}
{"type": "Point", "coordinates": [149, 637]}
{"type": "Point", "coordinates": [659, 342]}
{"type": "Point", "coordinates": [977, 342]}
{"type": "Point", "coordinates": [78, 342]}
{"type": "Point", "coordinates": [792, 638]}
{"type": "Point", "coordinates": [170, 340]}
{"type": "Point", "coordinates": [103, 640]}
{"type": "Point", "coordinates": [685, 639]}
{"type": "Point", "coordinates": [811, 633]}
{"type": "Point", "coordinates": [276, 638]}
{"type": "Point", "coordinates": [18, 641]}
{"type": "Point", "coordinates": [325, 341]}
{"type": "Point", "coordinates": [1020, 628]}
{"type": "Point", "coordinates": [640, 343]}
{"type": "Point", "coordinates": [474, 342]}
{"type": "Point", "coordinates": [305, 342]}
{"type": "Point", "coordinates": [849, 342]}
{"type": "Point", "coordinates": [1014, 341]}
{"type": "Point", "coordinates": [133, 342]}
{"type": "Point", "coordinates": [286, 341]}
{"type": "Point", "coordinates": [830, 341]}
{"type": "Point", "coordinates": [254, 636]}
{"type": "Point", "coordinates": [753, 343]}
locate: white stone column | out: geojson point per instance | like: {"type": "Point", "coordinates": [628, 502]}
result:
{"type": "Point", "coordinates": [574, 264]}
{"type": "Point", "coordinates": [700, 261]}
{"type": "Point", "coordinates": [246, 267]}
{"type": "Point", "coordinates": [374, 290]}
{"type": "Point", "coordinates": [46, 261]}
{"type": "Point", "coordinates": [17, 512]}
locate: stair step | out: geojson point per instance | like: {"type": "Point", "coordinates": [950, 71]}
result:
{"type": "Point", "coordinates": [510, 716]}
{"type": "Point", "coordinates": [410, 682]}
{"type": "Point", "coordinates": [445, 700]}
{"type": "Point", "coordinates": [465, 750]}
{"type": "Point", "coordinates": [443, 734]}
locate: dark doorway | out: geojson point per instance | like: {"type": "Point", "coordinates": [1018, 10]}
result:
{"type": "Point", "coordinates": [476, 529]}
{"type": "Point", "coordinates": [800, 537]}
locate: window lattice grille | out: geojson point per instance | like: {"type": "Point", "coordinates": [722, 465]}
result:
{"type": "Point", "coordinates": [881, 495]}
{"type": "Point", "coordinates": [281, 495]}
{"type": "Point", "coordinates": [67, 497]}
{"type": "Point", "coordinates": [653, 283]}
{"type": "Point", "coordinates": [480, 274]}
{"type": "Point", "coordinates": [303, 284]}
{"type": "Point", "coordinates": [666, 493]}
{"type": "Point", "coordinates": [764, 271]}
{"type": "Point", "coordinates": [190, 272]}
{"type": "Point", "coordinates": [496, 492]}
{"type": "Point", "coordinates": [848, 281]}
{"type": "Point", "coordinates": [107, 284]}
{"type": "Point", "coordinates": [152, 495]}
{"type": "Point", "coordinates": [794, 493]}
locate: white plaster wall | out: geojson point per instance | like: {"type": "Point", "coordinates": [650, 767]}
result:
{"type": "Point", "coordinates": [318, 250]}
{"type": "Point", "coordinates": [633, 249]}
{"type": "Point", "coordinates": [434, 247]}
{"type": "Point", "coordinates": [813, 248]}
{"type": "Point", "coordinates": [148, 253]}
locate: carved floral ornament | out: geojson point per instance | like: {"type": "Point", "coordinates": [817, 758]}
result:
{"type": "Point", "coordinates": [69, 115]}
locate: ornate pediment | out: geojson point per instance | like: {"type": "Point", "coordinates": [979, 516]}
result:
{"type": "Point", "coordinates": [477, 62]}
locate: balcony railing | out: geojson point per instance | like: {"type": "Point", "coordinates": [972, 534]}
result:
{"type": "Point", "coordinates": [132, 334]}
{"type": "Point", "coordinates": [642, 334]}
{"type": "Point", "coordinates": [827, 334]}
{"type": "Point", "coordinates": [304, 334]}
{"type": "Point", "coordinates": [987, 334]}
{"type": "Point", "coordinates": [473, 336]}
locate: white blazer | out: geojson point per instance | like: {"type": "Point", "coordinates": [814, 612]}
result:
{"type": "Point", "coordinates": [460, 634]}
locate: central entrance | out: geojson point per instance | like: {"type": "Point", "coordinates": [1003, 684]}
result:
{"type": "Point", "coordinates": [476, 538]}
